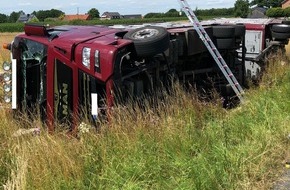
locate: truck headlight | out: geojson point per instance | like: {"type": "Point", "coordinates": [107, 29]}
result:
{"type": "Point", "coordinates": [86, 57]}
{"type": "Point", "coordinates": [6, 77]}
{"type": "Point", "coordinates": [97, 60]}
{"type": "Point", "coordinates": [7, 98]}
{"type": "Point", "coordinates": [6, 66]}
{"type": "Point", "coordinates": [7, 87]}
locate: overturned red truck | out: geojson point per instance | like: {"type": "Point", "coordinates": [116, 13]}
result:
{"type": "Point", "coordinates": [72, 71]}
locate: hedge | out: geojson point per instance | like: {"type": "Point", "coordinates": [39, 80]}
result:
{"type": "Point", "coordinates": [275, 12]}
{"type": "Point", "coordinates": [18, 27]}
{"type": "Point", "coordinates": [11, 27]}
{"type": "Point", "coordinates": [278, 12]}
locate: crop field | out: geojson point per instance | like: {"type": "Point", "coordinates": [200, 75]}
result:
{"type": "Point", "coordinates": [181, 143]}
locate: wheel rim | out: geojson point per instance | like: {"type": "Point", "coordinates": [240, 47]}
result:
{"type": "Point", "coordinates": [145, 33]}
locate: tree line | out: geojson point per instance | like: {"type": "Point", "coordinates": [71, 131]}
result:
{"type": "Point", "coordinates": [42, 15]}
{"type": "Point", "coordinates": [198, 12]}
{"type": "Point", "coordinates": [240, 9]}
{"type": "Point", "coordinates": [49, 15]}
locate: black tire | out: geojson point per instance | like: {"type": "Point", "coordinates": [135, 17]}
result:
{"type": "Point", "coordinates": [222, 31]}
{"type": "Point", "coordinates": [240, 30]}
{"type": "Point", "coordinates": [280, 35]}
{"type": "Point", "coordinates": [283, 41]}
{"type": "Point", "coordinates": [225, 43]}
{"type": "Point", "coordinates": [282, 28]}
{"type": "Point", "coordinates": [149, 40]}
{"type": "Point", "coordinates": [286, 22]}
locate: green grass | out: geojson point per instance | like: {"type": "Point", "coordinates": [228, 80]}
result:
{"type": "Point", "coordinates": [181, 143]}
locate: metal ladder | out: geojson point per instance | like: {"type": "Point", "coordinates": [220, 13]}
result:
{"type": "Point", "coordinates": [212, 49]}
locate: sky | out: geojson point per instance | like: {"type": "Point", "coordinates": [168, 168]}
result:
{"type": "Point", "coordinates": [122, 6]}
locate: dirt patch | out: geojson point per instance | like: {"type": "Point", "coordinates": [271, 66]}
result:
{"type": "Point", "coordinates": [284, 182]}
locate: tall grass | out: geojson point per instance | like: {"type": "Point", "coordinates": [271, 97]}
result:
{"type": "Point", "coordinates": [179, 143]}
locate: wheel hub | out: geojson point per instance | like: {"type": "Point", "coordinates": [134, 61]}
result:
{"type": "Point", "coordinates": [146, 33]}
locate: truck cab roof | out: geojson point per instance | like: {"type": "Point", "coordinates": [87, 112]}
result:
{"type": "Point", "coordinates": [69, 34]}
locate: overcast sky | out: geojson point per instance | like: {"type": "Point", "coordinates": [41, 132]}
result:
{"type": "Point", "coordinates": [121, 6]}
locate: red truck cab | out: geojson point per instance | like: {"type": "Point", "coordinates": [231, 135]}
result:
{"type": "Point", "coordinates": [60, 69]}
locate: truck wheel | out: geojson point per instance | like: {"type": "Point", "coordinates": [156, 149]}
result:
{"type": "Point", "coordinates": [280, 35]}
{"type": "Point", "coordinates": [240, 30]}
{"type": "Point", "coordinates": [149, 40]}
{"type": "Point", "coordinates": [221, 31]}
{"type": "Point", "coordinates": [283, 28]}
{"type": "Point", "coordinates": [286, 22]}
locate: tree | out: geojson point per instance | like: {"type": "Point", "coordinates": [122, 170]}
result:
{"type": "Point", "coordinates": [14, 16]}
{"type": "Point", "coordinates": [242, 8]}
{"type": "Point", "coordinates": [172, 13]}
{"type": "Point", "coordinates": [154, 15]}
{"type": "Point", "coordinates": [287, 12]}
{"type": "Point", "coordinates": [94, 13]}
{"type": "Point", "coordinates": [275, 12]}
{"type": "Point", "coordinates": [267, 3]}
{"type": "Point", "coordinates": [3, 18]}
{"type": "Point", "coordinates": [34, 20]}
{"type": "Point", "coordinates": [215, 12]}
{"type": "Point", "coordinates": [53, 13]}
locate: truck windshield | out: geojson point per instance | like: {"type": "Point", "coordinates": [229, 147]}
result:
{"type": "Point", "coordinates": [31, 73]}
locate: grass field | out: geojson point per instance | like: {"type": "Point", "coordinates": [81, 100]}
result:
{"type": "Point", "coordinates": [182, 143]}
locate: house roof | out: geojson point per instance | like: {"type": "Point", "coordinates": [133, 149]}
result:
{"type": "Point", "coordinates": [260, 9]}
{"type": "Point", "coordinates": [22, 18]}
{"type": "Point", "coordinates": [25, 17]}
{"type": "Point", "coordinates": [258, 12]}
{"type": "Point", "coordinates": [111, 14]}
{"type": "Point", "coordinates": [76, 17]}
{"type": "Point", "coordinates": [284, 1]}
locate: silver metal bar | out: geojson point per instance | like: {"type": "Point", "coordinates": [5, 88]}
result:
{"type": "Point", "coordinates": [212, 49]}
